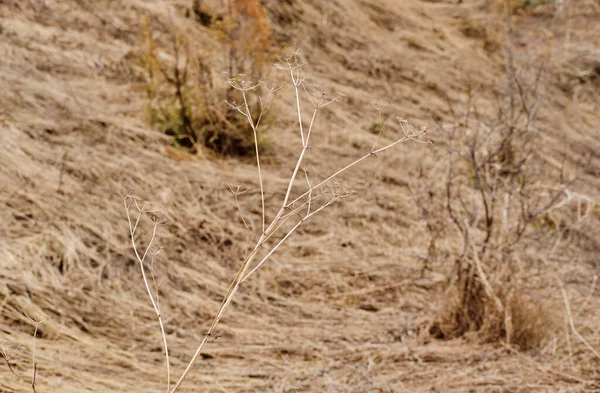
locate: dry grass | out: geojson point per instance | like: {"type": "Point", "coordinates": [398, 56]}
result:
{"type": "Point", "coordinates": [522, 322]}
{"type": "Point", "coordinates": [341, 307]}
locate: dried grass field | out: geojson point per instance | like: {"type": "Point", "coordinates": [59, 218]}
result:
{"type": "Point", "coordinates": [463, 259]}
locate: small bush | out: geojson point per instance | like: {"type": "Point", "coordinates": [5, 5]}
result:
{"type": "Point", "coordinates": [493, 201]}
{"type": "Point", "coordinates": [185, 100]}
{"type": "Point", "coordinates": [467, 308]}
{"type": "Point", "coordinates": [225, 138]}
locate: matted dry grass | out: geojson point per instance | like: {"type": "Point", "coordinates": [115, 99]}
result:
{"type": "Point", "coordinates": [340, 307]}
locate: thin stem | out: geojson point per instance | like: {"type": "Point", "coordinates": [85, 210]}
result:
{"type": "Point", "coordinates": [296, 82]}
{"type": "Point", "coordinates": [161, 323]}
{"type": "Point", "coordinates": [233, 287]}
{"type": "Point", "coordinates": [260, 179]}
{"type": "Point", "coordinates": [350, 166]}
{"type": "Point", "coordinates": [33, 379]}
{"type": "Point", "coordinates": [304, 148]}
{"type": "Point", "coordinates": [34, 367]}
{"type": "Point", "coordinates": [37, 324]}
{"type": "Point", "coordinates": [309, 199]}
{"type": "Point", "coordinates": [141, 259]}
{"type": "Point", "coordinates": [164, 338]}
{"type": "Point", "coordinates": [12, 370]}
{"type": "Point", "coordinates": [239, 279]}
{"type": "Point", "coordinates": [285, 238]}
{"type": "Point", "coordinates": [239, 207]}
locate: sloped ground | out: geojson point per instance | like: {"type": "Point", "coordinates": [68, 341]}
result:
{"type": "Point", "coordinates": [341, 307]}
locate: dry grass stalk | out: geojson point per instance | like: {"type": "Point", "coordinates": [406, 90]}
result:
{"type": "Point", "coordinates": [144, 210]}
{"type": "Point", "coordinates": [306, 206]}
{"type": "Point", "coordinates": [34, 365]}
{"type": "Point", "coordinates": [569, 314]}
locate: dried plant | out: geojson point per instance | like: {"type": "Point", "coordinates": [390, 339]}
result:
{"type": "Point", "coordinates": [494, 194]}
{"type": "Point", "coordinates": [4, 354]}
{"type": "Point", "coordinates": [185, 101]}
{"type": "Point", "coordinates": [293, 211]}
{"type": "Point", "coordinates": [244, 32]}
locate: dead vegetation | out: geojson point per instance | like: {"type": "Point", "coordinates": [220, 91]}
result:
{"type": "Point", "coordinates": [493, 196]}
{"type": "Point", "coordinates": [186, 90]}
{"type": "Point", "coordinates": [348, 303]}
{"type": "Point", "coordinates": [292, 214]}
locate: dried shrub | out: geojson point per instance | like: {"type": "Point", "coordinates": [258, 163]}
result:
{"type": "Point", "coordinates": [493, 199]}
{"type": "Point", "coordinates": [244, 32]}
{"type": "Point", "coordinates": [467, 308]}
{"type": "Point", "coordinates": [185, 94]}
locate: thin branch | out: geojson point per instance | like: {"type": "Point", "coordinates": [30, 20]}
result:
{"type": "Point", "coordinates": [7, 360]}
{"type": "Point", "coordinates": [340, 171]}
{"type": "Point", "coordinates": [258, 265]}
{"type": "Point", "coordinates": [37, 324]}
{"type": "Point", "coordinates": [141, 260]}
{"type": "Point", "coordinates": [235, 190]}
{"type": "Point", "coordinates": [160, 320]}
{"type": "Point", "coordinates": [309, 199]}
{"type": "Point", "coordinates": [297, 81]}
{"type": "Point", "coordinates": [260, 178]}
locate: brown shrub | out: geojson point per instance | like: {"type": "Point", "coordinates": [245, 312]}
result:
{"type": "Point", "coordinates": [185, 94]}
{"type": "Point", "coordinates": [467, 308]}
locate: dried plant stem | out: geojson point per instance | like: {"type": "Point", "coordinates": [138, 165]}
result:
{"type": "Point", "coordinates": [287, 209]}
{"type": "Point", "coordinates": [570, 318]}
{"type": "Point", "coordinates": [37, 324]}
{"type": "Point", "coordinates": [486, 284]}
{"type": "Point", "coordinates": [233, 287]}
{"type": "Point", "coordinates": [309, 191]}
{"type": "Point", "coordinates": [306, 217]}
{"type": "Point", "coordinates": [6, 358]}
{"type": "Point", "coordinates": [235, 190]}
{"type": "Point", "coordinates": [34, 365]}
{"type": "Point", "coordinates": [299, 161]}
{"type": "Point", "coordinates": [10, 368]}
{"type": "Point", "coordinates": [297, 81]}
{"type": "Point", "coordinates": [254, 125]}
{"type": "Point", "coordinates": [344, 169]}
{"type": "Point", "coordinates": [155, 302]}
{"type": "Point", "coordinates": [241, 275]}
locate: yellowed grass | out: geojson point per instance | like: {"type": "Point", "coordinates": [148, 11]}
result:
{"type": "Point", "coordinates": [340, 308]}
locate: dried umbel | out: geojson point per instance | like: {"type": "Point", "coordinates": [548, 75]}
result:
{"type": "Point", "coordinates": [291, 213]}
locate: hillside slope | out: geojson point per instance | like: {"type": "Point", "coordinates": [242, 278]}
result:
{"type": "Point", "coordinates": [343, 305]}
